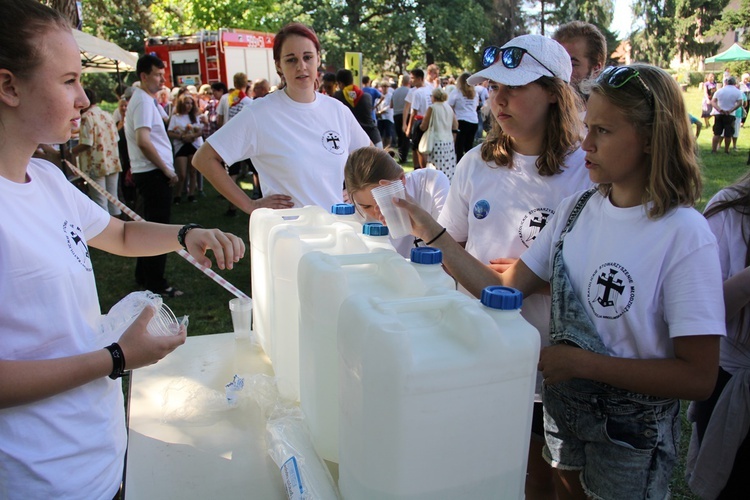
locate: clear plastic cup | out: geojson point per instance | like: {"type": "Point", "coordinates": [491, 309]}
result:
{"type": "Point", "coordinates": [242, 315]}
{"type": "Point", "coordinates": [165, 323]}
{"type": "Point", "coordinates": [397, 219]}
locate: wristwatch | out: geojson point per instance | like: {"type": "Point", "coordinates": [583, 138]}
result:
{"type": "Point", "coordinates": [184, 231]}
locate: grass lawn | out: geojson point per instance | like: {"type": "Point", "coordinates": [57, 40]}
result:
{"type": "Point", "coordinates": [207, 303]}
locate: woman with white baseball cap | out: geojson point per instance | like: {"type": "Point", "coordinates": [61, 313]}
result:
{"type": "Point", "coordinates": [505, 190]}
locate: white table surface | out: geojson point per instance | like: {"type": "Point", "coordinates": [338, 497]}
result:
{"type": "Point", "coordinates": [222, 455]}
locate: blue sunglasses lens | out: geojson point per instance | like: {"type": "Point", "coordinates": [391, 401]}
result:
{"type": "Point", "coordinates": [489, 57]}
{"type": "Point", "coordinates": [512, 57]}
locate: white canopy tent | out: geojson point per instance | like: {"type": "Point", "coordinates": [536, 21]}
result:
{"type": "Point", "coordinates": [99, 55]}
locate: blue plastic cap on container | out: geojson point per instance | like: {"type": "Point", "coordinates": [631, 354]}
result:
{"type": "Point", "coordinates": [342, 209]}
{"type": "Point", "coordinates": [502, 297]}
{"type": "Point", "coordinates": [374, 229]}
{"type": "Point", "coordinates": [426, 255]}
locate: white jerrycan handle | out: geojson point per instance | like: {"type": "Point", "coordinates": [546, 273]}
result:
{"type": "Point", "coordinates": [374, 258]}
{"type": "Point", "coordinates": [303, 214]}
{"type": "Point", "coordinates": [442, 302]}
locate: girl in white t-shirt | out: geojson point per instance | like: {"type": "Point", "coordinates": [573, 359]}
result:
{"type": "Point", "coordinates": [464, 100]}
{"type": "Point", "coordinates": [720, 442]}
{"type": "Point", "coordinates": [62, 424]}
{"type": "Point", "coordinates": [637, 305]}
{"type": "Point", "coordinates": [297, 138]}
{"type": "Point", "coordinates": [505, 191]}
{"type": "Point", "coordinates": [367, 166]}
{"type": "Point", "coordinates": [186, 133]}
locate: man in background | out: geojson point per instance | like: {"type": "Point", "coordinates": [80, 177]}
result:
{"type": "Point", "coordinates": [398, 100]}
{"type": "Point", "coordinates": [360, 103]}
{"type": "Point", "coordinates": [151, 164]}
{"type": "Point", "coordinates": [419, 99]}
{"type": "Point", "coordinates": [375, 95]}
{"type": "Point", "coordinates": [587, 48]}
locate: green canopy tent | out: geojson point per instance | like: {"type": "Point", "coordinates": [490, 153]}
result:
{"type": "Point", "coordinates": [733, 53]}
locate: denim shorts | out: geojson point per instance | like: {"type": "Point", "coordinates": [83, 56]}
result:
{"type": "Point", "coordinates": [624, 445]}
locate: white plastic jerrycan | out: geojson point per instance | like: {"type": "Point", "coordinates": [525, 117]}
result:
{"type": "Point", "coordinates": [325, 281]}
{"type": "Point", "coordinates": [287, 244]}
{"type": "Point", "coordinates": [428, 263]}
{"type": "Point", "coordinates": [347, 213]}
{"type": "Point", "coordinates": [436, 399]}
{"type": "Point", "coordinates": [375, 236]}
{"type": "Point", "coordinates": [262, 220]}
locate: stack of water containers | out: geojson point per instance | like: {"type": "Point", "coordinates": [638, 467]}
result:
{"type": "Point", "coordinates": [278, 239]}
{"type": "Point", "coordinates": [416, 390]}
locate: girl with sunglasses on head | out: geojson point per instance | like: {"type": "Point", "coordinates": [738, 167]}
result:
{"type": "Point", "coordinates": [62, 422]}
{"type": "Point", "coordinates": [637, 304]}
{"type": "Point", "coordinates": [505, 190]}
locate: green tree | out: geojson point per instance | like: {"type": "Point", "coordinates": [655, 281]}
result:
{"type": "Point", "coordinates": [654, 42]}
{"type": "Point", "coordinates": [172, 17]}
{"type": "Point", "coordinates": [125, 22]}
{"type": "Point", "coordinates": [597, 12]}
{"type": "Point", "coordinates": [392, 34]}
{"type": "Point", "coordinates": [693, 20]}
{"type": "Point", "coordinates": [734, 20]}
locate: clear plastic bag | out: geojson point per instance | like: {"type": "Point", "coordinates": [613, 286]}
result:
{"type": "Point", "coordinates": [305, 475]}
{"type": "Point", "coordinates": [188, 402]}
{"type": "Point", "coordinates": [121, 316]}
{"type": "Point", "coordinates": [289, 444]}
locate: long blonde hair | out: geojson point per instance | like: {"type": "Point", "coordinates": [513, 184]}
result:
{"type": "Point", "coordinates": [467, 90]}
{"type": "Point", "coordinates": [674, 176]}
{"type": "Point", "coordinates": [562, 134]}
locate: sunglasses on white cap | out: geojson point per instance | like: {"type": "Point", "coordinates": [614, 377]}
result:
{"type": "Point", "coordinates": [511, 57]}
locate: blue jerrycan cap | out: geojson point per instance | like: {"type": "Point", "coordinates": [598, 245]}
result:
{"type": "Point", "coordinates": [426, 255]}
{"type": "Point", "coordinates": [342, 209]}
{"type": "Point", "coordinates": [502, 297]}
{"type": "Point", "coordinates": [374, 229]}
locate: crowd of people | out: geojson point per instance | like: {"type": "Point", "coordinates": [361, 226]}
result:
{"type": "Point", "coordinates": [727, 103]}
{"type": "Point", "coordinates": [580, 195]}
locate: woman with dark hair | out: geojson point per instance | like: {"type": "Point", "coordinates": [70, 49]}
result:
{"type": "Point", "coordinates": [187, 136]}
{"type": "Point", "coordinates": [297, 138]}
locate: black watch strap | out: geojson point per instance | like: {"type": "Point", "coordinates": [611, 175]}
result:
{"type": "Point", "coordinates": [184, 231]}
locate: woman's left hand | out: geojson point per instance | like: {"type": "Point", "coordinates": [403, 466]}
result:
{"type": "Point", "coordinates": [227, 248]}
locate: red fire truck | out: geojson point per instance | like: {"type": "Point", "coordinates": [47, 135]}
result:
{"type": "Point", "coordinates": [213, 56]}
